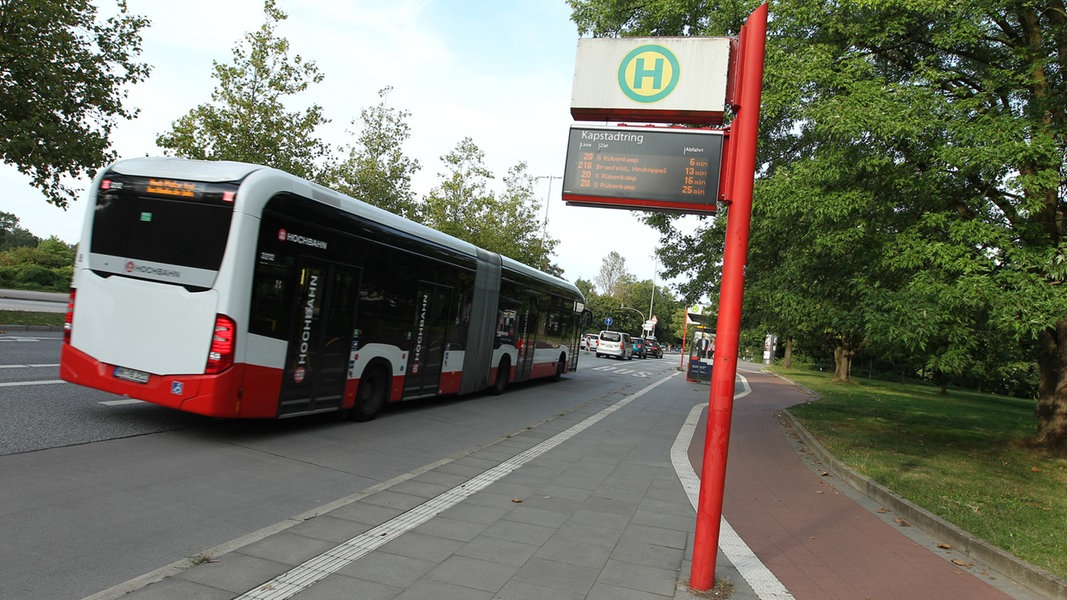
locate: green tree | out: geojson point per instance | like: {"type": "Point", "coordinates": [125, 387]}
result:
{"type": "Point", "coordinates": [645, 295]}
{"type": "Point", "coordinates": [463, 206]}
{"type": "Point", "coordinates": [461, 202]}
{"type": "Point", "coordinates": [613, 276]}
{"type": "Point", "coordinates": [247, 119]}
{"type": "Point", "coordinates": [520, 230]}
{"type": "Point", "coordinates": [586, 287]}
{"type": "Point", "coordinates": [64, 74]}
{"type": "Point", "coordinates": [948, 120]}
{"type": "Point", "coordinates": [377, 171]}
{"type": "Point", "coordinates": [13, 236]}
{"type": "Point", "coordinates": [623, 318]}
{"type": "Point", "coordinates": [961, 111]}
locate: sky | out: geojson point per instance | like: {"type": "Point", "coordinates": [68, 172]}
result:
{"type": "Point", "coordinates": [497, 71]}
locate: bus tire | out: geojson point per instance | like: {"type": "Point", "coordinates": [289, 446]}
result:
{"type": "Point", "coordinates": [371, 395]}
{"type": "Point", "coordinates": [503, 373]}
{"type": "Point", "coordinates": [561, 367]}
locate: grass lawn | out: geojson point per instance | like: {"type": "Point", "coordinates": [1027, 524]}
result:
{"type": "Point", "coordinates": [18, 317]}
{"type": "Point", "coordinates": [961, 456]}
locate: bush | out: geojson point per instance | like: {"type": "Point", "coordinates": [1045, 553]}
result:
{"type": "Point", "coordinates": [46, 267]}
{"type": "Point", "coordinates": [36, 277]}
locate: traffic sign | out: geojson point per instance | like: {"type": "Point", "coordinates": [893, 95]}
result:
{"type": "Point", "coordinates": [651, 79]}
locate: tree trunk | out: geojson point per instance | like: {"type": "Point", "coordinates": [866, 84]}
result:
{"type": "Point", "coordinates": [1051, 410]}
{"type": "Point", "coordinates": [787, 361]}
{"type": "Point", "coordinates": [842, 364]}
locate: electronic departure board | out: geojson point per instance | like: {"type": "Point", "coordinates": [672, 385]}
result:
{"type": "Point", "coordinates": [643, 168]}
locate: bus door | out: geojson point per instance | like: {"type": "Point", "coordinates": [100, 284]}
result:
{"type": "Point", "coordinates": [320, 343]}
{"type": "Point", "coordinates": [428, 334]}
{"type": "Point", "coordinates": [526, 338]}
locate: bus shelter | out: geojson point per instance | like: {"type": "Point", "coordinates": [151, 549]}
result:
{"type": "Point", "coordinates": [701, 347]}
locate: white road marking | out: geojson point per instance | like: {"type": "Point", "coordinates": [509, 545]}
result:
{"type": "Point", "coordinates": [18, 383]}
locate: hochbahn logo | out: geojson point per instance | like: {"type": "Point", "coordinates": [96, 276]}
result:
{"type": "Point", "coordinates": [285, 236]}
{"type": "Point", "coordinates": [132, 267]}
{"type": "Point", "coordinates": [649, 73]}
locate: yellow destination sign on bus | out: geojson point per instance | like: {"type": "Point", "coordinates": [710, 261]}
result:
{"type": "Point", "coordinates": [170, 187]}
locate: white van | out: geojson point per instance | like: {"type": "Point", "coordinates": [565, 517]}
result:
{"type": "Point", "coordinates": [615, 343]}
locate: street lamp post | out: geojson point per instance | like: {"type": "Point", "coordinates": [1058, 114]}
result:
{"type": "Point", "coordinates": [653, 299]}
{"type": "Point", "coordinates": [544, 223]}
{"type": "Point", "coordinates": [623, 307]}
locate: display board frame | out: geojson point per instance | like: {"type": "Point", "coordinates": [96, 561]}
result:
{"type": "Point", "coordinates": [673, 169]}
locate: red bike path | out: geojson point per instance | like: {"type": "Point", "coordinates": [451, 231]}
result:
{"type": "Point", "coordinates": [821, 539]}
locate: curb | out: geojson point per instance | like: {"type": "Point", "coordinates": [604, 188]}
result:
{"type": "Point", "coordinates": [7, 328]}
{"type": "Point", "coordinates": [1031, 577]}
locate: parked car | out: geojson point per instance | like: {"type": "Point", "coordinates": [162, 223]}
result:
{"type": "Point", "coordinates": [640, 347]}
{"type": "Point", "coordinates": [654, 349]}
{"type": "Point", "coordinates": [589, 341]}
{"type": "Point", "coordinates": [615, 343]}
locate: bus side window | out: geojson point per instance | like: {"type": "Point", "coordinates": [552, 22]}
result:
{"type": "Point", "coordinates": [270, 301]}
{"type": "Point", "coordinates": [507, 319]}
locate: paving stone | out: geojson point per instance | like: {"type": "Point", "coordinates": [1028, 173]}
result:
{"type": "Point", "coordinates": [341, 586]}
{"type": "Point", "coordinates": [639, 577]}
{"type": "Point", "coordinates": [235, 572]}
{"type": "Point", "coordinates": [453, 529]}
{"type": "Point", "coordinates": [388, 569]}
{"type": "Point", "coordinates": [287, 548]}
{"type": "Point", "coordinates": [520, 532]}
{"type": "Point", "coordinates": [423, 547]}
{"type": "Point", "coordinates": [498, 550]}
{"type": "Point", "coordinates": [426, 589]}
{"type": "Point", "coordinates": [330, 528]}
{"type": "Point", "coordinates": [475, 573]}
{"type": "Point", "coordinates": [559, 575]}
{"type": "Point", "coordinates": [575, 552]}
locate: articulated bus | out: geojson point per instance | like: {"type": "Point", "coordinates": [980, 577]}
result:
{"type": "Point", "coordinates": [240, 291]}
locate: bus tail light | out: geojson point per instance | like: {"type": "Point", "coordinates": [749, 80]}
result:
{"type": "Point", "coordinates": [223, 342]}
{"type": "Point", "coordinates": [68, 322]}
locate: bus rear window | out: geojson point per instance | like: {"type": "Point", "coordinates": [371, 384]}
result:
{"type": "Point", "coordinates": [163, 221]}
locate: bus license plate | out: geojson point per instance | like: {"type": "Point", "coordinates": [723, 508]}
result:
{"type": "Point", "coordinates": [131, 375]}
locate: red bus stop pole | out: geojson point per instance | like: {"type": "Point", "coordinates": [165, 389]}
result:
{"type": "Point", "coordinates": [745, 129]}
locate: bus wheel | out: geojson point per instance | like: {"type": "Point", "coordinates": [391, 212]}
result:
{"type": "Point", "coordinates": [371, 395]}
{"type": "Point", "coordinates": [503, 373]}
{"type": "Point", "coordinates": [561, 366]}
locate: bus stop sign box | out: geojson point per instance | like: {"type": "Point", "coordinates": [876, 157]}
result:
{"type": "Point", "coordinates": [643, 168]}
{"type": "Point", "coordinates": [651, 79]}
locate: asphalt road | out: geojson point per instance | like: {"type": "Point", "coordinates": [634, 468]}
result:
{"type": "Point", "coordinates": [96, 490]}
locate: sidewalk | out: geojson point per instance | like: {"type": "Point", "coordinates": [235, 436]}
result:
{"type": "Point", "coordinates": [587, 505]}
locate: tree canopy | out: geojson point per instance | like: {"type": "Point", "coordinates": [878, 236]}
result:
{"type": "Point", "coordinates": [912, 187]}
{"type": "Point", "coordinates": [247, 119]}
{"type": "Point", "coordinates": [376, 169]}
{"type": "Point", "coordinates": [463, 206]}
{"type": "Point", "coordinates": [64, 74]}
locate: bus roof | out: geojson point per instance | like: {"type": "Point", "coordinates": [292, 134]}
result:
{"type": "Point", "coordinates": [232, 171]}
{"type": "Point", "coordinates": [181, 168]}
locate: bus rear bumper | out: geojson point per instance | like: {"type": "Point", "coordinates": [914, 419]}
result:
{"type": "Point", "coordinates": [210, 395]}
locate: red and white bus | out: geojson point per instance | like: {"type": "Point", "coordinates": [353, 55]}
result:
{"type": "Point", "coordinates": [240, 291]}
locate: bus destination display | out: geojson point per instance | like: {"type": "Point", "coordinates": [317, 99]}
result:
{"type": "Point", "coordinates": [643, 168]}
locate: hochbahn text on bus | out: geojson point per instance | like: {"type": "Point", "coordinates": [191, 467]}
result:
{"type": "Point", "coordinates": [240, 291]}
